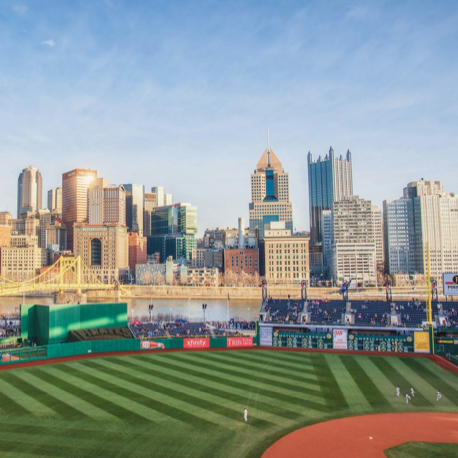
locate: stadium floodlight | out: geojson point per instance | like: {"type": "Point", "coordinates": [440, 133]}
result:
{"type": "Point", "coordinates": [204, 308]}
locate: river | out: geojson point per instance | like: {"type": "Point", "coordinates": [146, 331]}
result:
{"type": "Point", "coordinates": [164, 309]}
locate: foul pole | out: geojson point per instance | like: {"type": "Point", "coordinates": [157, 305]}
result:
{"type": "Point", "coordinates": [429, 311]}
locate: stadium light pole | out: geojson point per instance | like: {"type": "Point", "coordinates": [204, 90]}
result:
{"type": "Point", "coordinates": [204, 307]}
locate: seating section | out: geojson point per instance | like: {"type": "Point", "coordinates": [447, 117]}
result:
{"type": "Point", "coordinates": [183, 328]}
{"type": "Point", "coordinates": [284, 311]}
{"type": "Point", "coordinates": [147, 330]}
{"type": "Point", "coordinates": [367, 313]}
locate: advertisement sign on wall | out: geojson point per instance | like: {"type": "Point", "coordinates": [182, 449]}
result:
{"type": "Point", "coordinates": [239, 342]}
{"type": "Point", "coordinates": [265, 336]}
{"type": "Point", "coordinates": [196, 343]}
{"type": "Point", "coordinates": [450, 282]}
{"type": "Point", "coordinates": [421, 342]}
{"type": "Point", "coordinates": [151, 345]}
{"type": "Point", "coordinates": [340, 339]}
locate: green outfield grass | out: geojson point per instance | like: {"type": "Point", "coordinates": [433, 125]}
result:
{"type": "Point", "coordinates": [190, 404]}
{"type": "Point", "coordinates": [423, 450]}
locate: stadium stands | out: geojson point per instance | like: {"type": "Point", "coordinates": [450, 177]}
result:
{"type": "Point", "coordinates": [366, 313]}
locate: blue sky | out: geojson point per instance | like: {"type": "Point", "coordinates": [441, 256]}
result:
{"type": "Point", "coordinates": [180, 94]}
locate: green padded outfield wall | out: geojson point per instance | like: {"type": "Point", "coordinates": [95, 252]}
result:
{"type": "Point", "coordinates": [50, 324]}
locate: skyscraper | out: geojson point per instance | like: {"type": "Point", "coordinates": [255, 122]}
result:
{"type": "Point", "coordinates": [55, 201]}
{"type": "Point", "coordinates": [173, 231]}
{"type": "Point", "coordinates": [354, 248]}
{"type": "Point", "coordinates": [270, 194]}
{"type": "Point", "coordinates": [150, 205]}
{"type": "Point", "coordinates": [106, 203]}
{"type": "Point", "coordinates": [74, 199]}
{"type": "Point", "coordinates": [426, 215]}
{"type": "Point", "coordinates": [29, 191]}
{"type": "Point", "coordinates": [330, 180]}
{"type": "Point", "coordinates": [135, 199]}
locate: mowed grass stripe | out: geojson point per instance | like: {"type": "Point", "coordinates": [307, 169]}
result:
{"type": "Point", "coordinates": [350, 390]}
{"type": "Point", "coordinates": [330, 388]}
{"type": "Point", "coordinates": [55, 432]}
{"type": "Point", "coordinates": [118, 387]}
{"type": "Point", "coordinates": [299, 366]}
{"type": "Point", "coordinates": [34, 377]}
{"type": "Point", "coordinates": [365, 383]}
{"type": "Point", "coordinates": [397, 379]}
{"type": "Point", "coordinates": [103, 407]}
{"type": "Point", "coordinates": [266, 391]}
{"type": "Point", "coordinates": [439, 383]}
{"type": "Point", "coordinates": [61, 408]}
{"type": "Point", "coordinates": [230, 392]}
{"type": "Point", "coordinates": [183, 380]}
{"type": "Point", "coordinates": [274, 368]}
{"type": "Point", "coordinates": [276, 397]}
{"type": "Point", "coordinates": [383, 384]}
{"type": "Point", "coordinates": [183, 395]}
{"type": "Point", "coordinates": [58, 450]}
{"type": "Point", "coordinates": [129, 411]}
{"type": "Point", "coordinates": [21, 403]}
{"type": "Point", "coordinates": [246, 370]}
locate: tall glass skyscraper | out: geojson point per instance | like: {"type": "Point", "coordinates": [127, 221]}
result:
{"type": "Point", "coordinates": [135, 199]}
{"type": "Point", "coordinates": [173, 231]}
{"type": "Point", "coordinates": [330, 180]}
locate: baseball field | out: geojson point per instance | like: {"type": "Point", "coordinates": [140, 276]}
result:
{"type": "Point", "coordinates": [190, 404]}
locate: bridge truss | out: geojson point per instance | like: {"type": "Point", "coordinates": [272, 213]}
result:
{"type": "Point", "coordinates": [66, 274]}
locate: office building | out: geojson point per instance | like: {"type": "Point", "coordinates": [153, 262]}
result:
{"type": "Point", "coordinates": [56, 236]}
{"type": "Point", "coordinates": [270, 194]}
{"type": "Point", "coordinates": [399, 236]}
{"type": "Point", "coordinates": [23, 259]}
{"type": "Point", "coordinates": [29, 191]}
{"type": "Point", "coordinates": [5, 218]}
{"type": "Point", "coordinates": [137, 252]}
{"type": "Point", "coordinates": [149, 206]}
{"type": "Point", "coordinates": [55, 201]}
{"type": "Point", "coordinates": [353, 246]}
{"type": "Point", "coordinates": [430, 220]}
{"type": "Point", "coordinates": [283, 258]}
{"type": "Point", "coordinates": [135, 197]}
{"type": "Point", "coordinates": [377, 217]}
{"type": "Point", "coordinates": [104, 250]}
{"type": "Point", "coordinates": [173, 231]}
{"type": "Point", "coordinates": [330, 179]}
{"type": "Point", "coordinates": [241, 254]}
{"type": "Point", "coordinates": [162, 199]}
{"type": "Point", "coordinates": [45, 219]}
{"type": "Point", "coordinates": [5, 235]}
{"type": "Point", "coordinates": [74, 199]}
{"type": "Point", "coordinates": [106, 203]}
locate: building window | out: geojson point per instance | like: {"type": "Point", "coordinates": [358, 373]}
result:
{"type": "Point", "coordinates": [96, 252]}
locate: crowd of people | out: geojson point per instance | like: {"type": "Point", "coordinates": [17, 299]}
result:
{"type": "Point", "coordinates": [183, 328]}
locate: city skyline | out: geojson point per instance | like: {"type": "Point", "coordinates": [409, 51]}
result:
{"type": "Point", "coordinates": [136, 94]}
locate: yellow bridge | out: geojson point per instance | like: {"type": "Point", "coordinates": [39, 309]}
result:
{"type": "Point", "coordinates": [66, 274]}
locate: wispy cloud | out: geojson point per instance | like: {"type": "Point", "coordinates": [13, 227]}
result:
{"type": "Point", "coordinates": [20, 9]}
{"type": "Point", "coordinates": [50, 43]}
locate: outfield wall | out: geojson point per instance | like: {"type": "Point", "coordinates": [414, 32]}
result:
{"type": "Point", "coordinates": [44, 352]}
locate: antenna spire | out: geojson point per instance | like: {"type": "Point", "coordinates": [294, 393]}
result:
{"type": "Point", "coordinates": [268, 148]}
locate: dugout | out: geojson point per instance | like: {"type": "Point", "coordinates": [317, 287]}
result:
{"type": "Point", "coordinates": [50, 324]}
